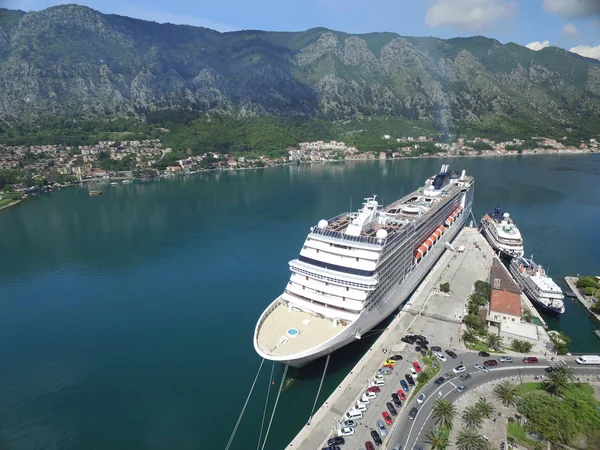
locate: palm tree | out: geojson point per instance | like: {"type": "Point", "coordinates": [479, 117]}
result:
{"type": "Point", "coordinates": [506, 392]}
{"type": "Point", "coordinates": [472, 417]}
{"type": "Point", "coordinates": [437, 438]}
{"type": "Point", "coordinates": [493, 341]}
{"type": "Point", "coordinates": [470, 439]}
{"type": "Point", "coordinates": [485, 408]}
{"type": "Point", "coordinates": [558, 380]}
{"type": "Point", "coordinates": [469, 335]}
{"type": "Point", "coordinates": [444, 413]}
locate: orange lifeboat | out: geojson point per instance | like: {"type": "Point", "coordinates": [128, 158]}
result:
{"type": "Point", "coordinates": [437, 233]}
{"type": "Point", "coordinates": [431, 239]}
{"type": "Point", "coordinates": [441, 229]}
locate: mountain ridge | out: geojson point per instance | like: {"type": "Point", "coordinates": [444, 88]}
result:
{"type": "Point", "coordinates": [73, 62]}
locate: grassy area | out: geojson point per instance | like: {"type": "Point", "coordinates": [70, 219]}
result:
{"type": "Point", "coordinates": [517, 432]}
{"type": "Point", "coordinates": [529, 387]}
{"type": "Point", "coordinates": [479, 346]}
{"type": "Point", "coordinates": [430, 371]}
{"type": "Point", "coordinates": [5, 202]}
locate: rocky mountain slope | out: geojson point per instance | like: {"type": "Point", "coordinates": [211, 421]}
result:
{"type": "Point", "coordinates": [71, 61]}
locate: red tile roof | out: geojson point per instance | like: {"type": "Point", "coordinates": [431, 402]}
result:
{"type": "Point", "coordinates": [506, 302]}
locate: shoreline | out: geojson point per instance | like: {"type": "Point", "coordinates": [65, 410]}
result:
{"type": "Point", "coordinates": [16, 202]}
{"type": "Point", "coordinates": [571, 282]}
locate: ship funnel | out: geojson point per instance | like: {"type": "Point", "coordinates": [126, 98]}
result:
{"type": "Point", "coordinates": [442, 169]}
{"type": "Point", "coordinates": [462, 175]}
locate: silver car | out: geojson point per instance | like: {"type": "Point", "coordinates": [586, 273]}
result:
{"type": "Point", "coordinates": [505, 359]}
{"type": "Point", "coordinates": [481, 367]}
{"type": "Point", "coordinates": [382, 428]}
{"type": "Point", "coordinates": [461, 388]}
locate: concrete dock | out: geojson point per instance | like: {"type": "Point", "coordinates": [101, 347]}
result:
{"type": "Point", "coordinates": [428, 312]}
{"type": "Point", "coordinates": [572, 283]}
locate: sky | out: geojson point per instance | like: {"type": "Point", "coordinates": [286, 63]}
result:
{"type": "Point", "coordinates": [570, 24]}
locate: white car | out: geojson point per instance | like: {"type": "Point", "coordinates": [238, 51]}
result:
{"type": "Point", "coordinates": [413, 372]}
{"type": "Point", "coordinates": [421, 398]}
{"type": "Point", "coordinates": [441, 357]}
{"type": "Point", "coordinates": [348, 424]}
{"type": "Point", "coordinates": [360, 407]}
{"type": "Point", "coordinates": [481, 367]}
{"type": "Point", "coordinates": [364, 400]}
{"type": "Point", "coordinates": [459, 369]}
{"type": "Point", "coordinates": [378, 382]}
{"type": "Point", "coordinates": [370, 395]}
{"type": "Point", "coordinates": [346, 431]}
{"type": "Point", "coordinates": [506, 359]}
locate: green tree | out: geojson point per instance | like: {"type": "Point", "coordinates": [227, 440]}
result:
{"type": "Point", "coordinates": [424, 377]}
{"type": "Point", "coordinates": [506, 392]}
{"type": "Point", "coordinates": [596, 307]}
{"type": "Point", "coordinates": [445, 287]}
{"type": "Point", "coordinates": [469, 335]}
{"type": "Point", "coordinates": [474, 322]}
{"type": "Point", "coordinates": [470, 439]}
{"type": "Point", "coordinates": [486, 408]}
{"type": "Point", "coordinates": [558, 380]}
{"type": "Point", "coordinates": [437, 438]}
{"type": "Point", "coordinates": [443, 413]}
{"type": "Point", "coordinates": [472, 417]}
{"type": "Point", "coordinates": [521, 346]}
{"type": "Point", "coordinates": [484, 289]}
{"type": "Point", "coordinates": [493, 341]}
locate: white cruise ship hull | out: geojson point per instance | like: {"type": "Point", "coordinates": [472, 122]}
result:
{"type": "Point", "coordinates": [504, 249]}
{"type": "Point", "coordinates": [544, 304]}
{"type": "Point", "coordinates": [368, 319]}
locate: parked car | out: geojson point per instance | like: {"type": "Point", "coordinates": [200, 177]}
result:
{"type": "Point", "coordinates": [348, 423]}
{"type": "Point", "coordinates": [410, 380]}
{"type": "Point", "coordinates": [354, 414]}
{"type": "Point", "coordinates": [346, 431]}
{"type": "Point", "coordinates": [484, 354]}
{"type": "Point", "coordinates": [435, 348]}
{"type": "Point", "coordinates": [374, 389]}
{"type": "Point", "coordinates": [388, 366]}
{"type": "Point", "coordinates": [396, 399]}
{"type": "Point", "coordinates": [369, 445]}
{"type": "Point", "coordinates": [419, 337]}
{"type": "Point", "coordinates": [439, 381]}
{"type": "Point", "coordinates": [390, 361]}
{"type": "Point", "coordinates": [481, 367]}
{"type": "Point", "coordinates": [384, 371]}
{"type": "Point", "coordinates": [378, 382]}
{"type": "Point", "coordinates": [363, 400]}
{"type": "Point", "coordinates": [375, 436]}
{"type": "Point", "coordinates": [490, 363]}
{"type": "Point", "coordinates": [464, 376]}
{"type": "Point", "coordinates": [441, 357]}
{"type": "Point", "coordinates": [332, 447]}
{"type": "Point", "coordinates": [391, 409]}
{"type": "Point", "coordinates": [418, 349]}
{"type": "Point", "coordinates": [449, 375]}
{"type": "Point", "coordinates": [360, 407]}
{"type": "Point", "coordinates": [424, 348]}
{"type": "Point", "coordinates": [413, 413]}
{"type": "Point", "coordinates": [337, 440]}
{"type": "Point", "coordinates": [417, 367]}
{"type": "Point", "coordinates": [404, 386]}
{"type": "Point", "coordinates": [387, 418]}
{"type": "Point", "coordinates": [397, 446]}
{"type": "Point", "coordinates": [382, 428]}
{"type": "Point", "coordinates": [451, 354]}
{"type": "Point", "coordinates": [370, 395]}
{"type": "Point", "coordinates": [461, 388]}
{"type": "Point", "coordinates": [459, 369]}
{"type": "Point", "coordinates": [421, 398]}
{"type": "Point", "coordinates": [408, 339]}
{"type": "Point", "coordinates": [396, 357]}
{"type": "Point", "coordinates": [413, 372]}
{"type": "Point", "coordinates": [530, 360]}
{"type": "Point", "coordinates": [505, 359]}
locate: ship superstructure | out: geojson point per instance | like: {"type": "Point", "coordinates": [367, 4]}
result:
{"type": "Point", "coordinates": [502, 233]}
{"type": "Point", "coordinates": [356, 268]}
{"type": "Point", "coordinates": [537, 285]}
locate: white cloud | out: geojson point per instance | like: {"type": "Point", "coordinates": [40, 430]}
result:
{"type": "Point", "coordinates": [573, 9]}
{"type": "Point", "coordinates": [537, 45]}
{"type": "Point", "coordinates": [468, 14]}
{"type": "Point", "coordinates": [570, 30]}
{"type": "Point", "coordinates": [587, 51]}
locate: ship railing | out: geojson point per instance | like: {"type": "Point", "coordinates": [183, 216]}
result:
{"type": "Point", "coordinates": [344, 237]}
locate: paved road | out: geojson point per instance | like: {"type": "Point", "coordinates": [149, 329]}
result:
{"type": "Point", "coordinates": [411, 432]}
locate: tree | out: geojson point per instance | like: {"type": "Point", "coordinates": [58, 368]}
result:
{"type": "Point", "coordinates": [483, 289]}
{"type": "Point", "coordinates": [444, 413]}
{"type": "Point", "coordinates": [437, 438]}
{"type": "Point", "coordinates": [596, 308]}
{"type": "Point", "coordinates": [470, 439]}
{"type": "Point", "coordinates": [424, 377]}
{"type": "Point", "coordinates": [469, 335]}
{"type": "Point", "coordinates": [506, 392]}
{"type": "Point", "coordinates": [485, 408]}
{"type": "Point", "coordinates": [474, 322]}
{"type": "Point", "coordinates": [521, 346]}
{"type": "Point", "coordinates": [493, 341]}
{"type": "Point", "coordinates": [445, 287]}
{"type": "Point", "coordinates": [472, 417]}
{"type": "Point", "coordinates": [558, 380]}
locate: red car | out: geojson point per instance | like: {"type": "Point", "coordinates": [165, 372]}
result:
{"type": "Point", "coordinates": [401, 394]}
{"type": "Point", "coordinates": [490, 363]}
{"type": "Point", "coordinates": [387, 417]}
{"type": "Point", "coordinates": [389, 366]}
{"type": "Point", "coordinates": [374, 389]}
{"type": "Point", "coordinates": [369, 445]}
{"type": "Point", "coordinates": [530, 360]}
{"type": "Point", "coordinates": [417, 367]}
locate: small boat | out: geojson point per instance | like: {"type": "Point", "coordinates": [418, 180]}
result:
{"type": "Point", "coordinates": [126, 181]}
{"type": "Point", "coordinates": [114, 183]}
{"type": "Point", "coordinates": [95, 193]}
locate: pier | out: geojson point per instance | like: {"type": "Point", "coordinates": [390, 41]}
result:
{"type": "Point", "coordinates": [587, 303]}
{"type": "Point", "coordinates": [428, 312]}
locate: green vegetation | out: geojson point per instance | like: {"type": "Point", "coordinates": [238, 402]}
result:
{"type": "Point", "coordinates": [486, 408]}
{"type": "Point", "coordinates": [429, 372]}
{"type": "Point", "coordinates": [590, 285]}
{"type": "Point", "coordinates": [517, 435]}
{"type": "Point", "coordinates": [560, 341]}
{"type": "Point", "coordinates": [445, 287]}
{"type": "Point", "coordinates": [559, 380]}
{"type": "Point", "coordinates": [444, 413]}
{"type": "Point", "coordinates": [470, 439]}
{"type": "Point", "coordinates": [506, 393]}
{"type": "Point", "coordinates": [474, 322]}
{"type": "Point", "coordinates": [493, 341]}
{"type": "Point", "coordinates": [521, 346]}
{"type": "Point", "coordinates": [472, 417]}
{"type": "Point", "coordinates": [437, 438]}
{"type": "Point", "coordinates": [596, 308]}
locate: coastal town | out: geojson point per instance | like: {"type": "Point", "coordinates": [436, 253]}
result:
{"type": "Point", "coordinates": [34, 167]}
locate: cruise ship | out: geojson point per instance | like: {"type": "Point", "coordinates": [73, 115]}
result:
{"type": "Point", "coordinates": [502, 234]}
{"type": "Point", "coordinates": [537, 285]}
{"type": "Point", "coordinates": [356, 268]}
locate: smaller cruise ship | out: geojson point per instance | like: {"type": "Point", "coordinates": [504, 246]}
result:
{"type": "Point", "coordinates": [537, 285]}
{"type": "Point", "coordinates": [502, 234]}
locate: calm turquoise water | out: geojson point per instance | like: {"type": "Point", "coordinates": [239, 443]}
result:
{"type": "Point", "coordinates": [126, 320]}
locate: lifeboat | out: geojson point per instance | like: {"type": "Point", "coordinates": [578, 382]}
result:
{"type": "Point", "coordinates": [441, 229]}
{"type": "Point", "coordinates": [420, 252]}
{"type": "Point", "coordinates": [437, 233]}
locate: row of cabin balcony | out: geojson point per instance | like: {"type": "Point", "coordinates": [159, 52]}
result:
{"type": "Point", "coordinates": [330, 289]}
{"type": "Point", "coordinates": [345, 261]}
{"type": "Point", "coordinates": [319, 297]}
{"type": "Point", "coordinates": [342, 250]}
{"type": "Point", "coordinates": [328, 311]}
{"type": "Point", "coordinates": [338, 280]}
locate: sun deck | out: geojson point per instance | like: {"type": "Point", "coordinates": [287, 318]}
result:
{"type": "Point", "coordinates": [276, 335]}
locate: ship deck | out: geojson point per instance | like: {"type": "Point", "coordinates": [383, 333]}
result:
{"type": "Point", "coordinates": [313, 330]}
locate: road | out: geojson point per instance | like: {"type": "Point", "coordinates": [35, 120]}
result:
{"type": "Point", "coordinates": [411, 432]}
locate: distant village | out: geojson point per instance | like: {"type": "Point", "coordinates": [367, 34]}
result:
{"type": "Point", "coordinates": [102, 161]}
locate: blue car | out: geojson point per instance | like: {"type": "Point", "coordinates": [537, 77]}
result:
{"type": "Point", "coordinates": [404, 385]}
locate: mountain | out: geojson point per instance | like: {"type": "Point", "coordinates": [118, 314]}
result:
{"type": "Point", "coordinates": [73, 62]}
